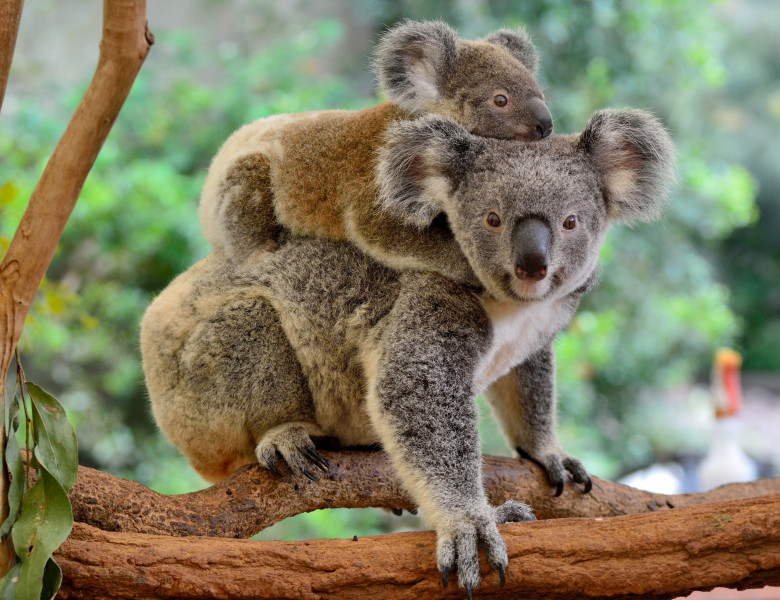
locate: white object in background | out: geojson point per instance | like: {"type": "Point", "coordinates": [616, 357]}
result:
{"type": "Point", "coordinates": [659, 478]}
{"type": "Point", "coordinates": [726, 461]}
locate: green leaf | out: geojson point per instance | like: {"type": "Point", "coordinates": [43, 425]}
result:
{"type": "Point", "coordinates": [52, 579]}
{"type": "Point", "coordinates": [9, 580]}
{"type": "Point", "coordinates": [45, 522]}
{"type": "Point", "coordinates": [55, 441]}
{"type": "Point", "coordinates": [13, 458]}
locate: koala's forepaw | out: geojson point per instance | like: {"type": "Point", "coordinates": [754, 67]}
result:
{"type": "Point", "coordinates": [559, 467]}
{"type": "Point", "coordinates": [295, 446]}
{"type": "Point", "coordinates": [459, 546]}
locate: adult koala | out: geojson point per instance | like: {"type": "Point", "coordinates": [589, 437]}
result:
{"type": "Point", "coordinates": [244, 362]}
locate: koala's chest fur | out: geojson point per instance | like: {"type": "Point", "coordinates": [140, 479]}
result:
{"type": "Point", "coordinates": [518, 331]}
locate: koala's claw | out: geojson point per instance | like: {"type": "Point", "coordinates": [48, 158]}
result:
{"type": "Point", "coordinates": [293, 443]}
{"type": "Point", "coordinates": [272, 466]}
{"type": "Point", "coordinates": [559, 467]}
{"type": "Point", "coordinates": [588, 485]}
{"type": "Point", "coordinates": [310, 475]}
{"type": "Point", "coordinates": [315, 458]}
{"type": "Point", "coordinates": [459, 547]}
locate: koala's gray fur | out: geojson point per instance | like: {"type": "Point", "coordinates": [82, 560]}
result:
{"type": "Point", "coordinates": [313, 173]}
{"type": "Point", "coordinates": [246, 360]}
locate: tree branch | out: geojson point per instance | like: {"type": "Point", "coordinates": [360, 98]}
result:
{"type": "Point", "coordinates": [123, 48]}
{"type": "Point", "coordinates": [126, 41]}
{"type": "Point", "coordinates": [10, 15]}
{"type": "Point", "coordinates": [253, 498]}
{"type": "Point", "coordinates": [650, 556]}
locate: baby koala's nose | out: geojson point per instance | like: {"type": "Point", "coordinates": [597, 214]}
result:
{"type": "Point", "coordinates": [532, 245]}
{"type": "Point", "coordinates": [544, 122]}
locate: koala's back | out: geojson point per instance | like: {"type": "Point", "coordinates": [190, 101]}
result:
{"type": "Point", "coordinates": [320, 162]}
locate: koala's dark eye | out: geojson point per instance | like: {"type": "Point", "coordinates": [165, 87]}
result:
{"type": "Point", "coordinates": [570, 222]}
{"type": "Point", "coordinates": [500, 100]}
{"type": "Point", "coordinates": [493, 220]}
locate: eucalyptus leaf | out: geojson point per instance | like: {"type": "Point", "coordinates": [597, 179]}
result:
{"type": "Point", "coordinates": [8, 582]}
{"type": "Point", "coordinates": [13, 458]}
{"type": "Point", "coordinates": [46, 520]}
{"type": "Point", "coordinates": [55, 441]}
{"type": "Point", "coordinates": [52, 579]}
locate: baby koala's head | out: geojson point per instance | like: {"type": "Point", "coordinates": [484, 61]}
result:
{"type": "Point", "coordinates": [487, 86]}
{"type": "Point", "coordinates": [530, 218]}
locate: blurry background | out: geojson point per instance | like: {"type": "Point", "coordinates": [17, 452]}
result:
{"type": "Point", "coordinates": [633, 367]}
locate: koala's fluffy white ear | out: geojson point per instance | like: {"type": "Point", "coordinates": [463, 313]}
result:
{"type": "Point", "coordinates": [420, 164]}
{"type": "Point", "coordinates": [519, 43]}
{"type": "Point", "coordinates": [635, 156]}
{"type": "Point", "coordinates": [413, 60]}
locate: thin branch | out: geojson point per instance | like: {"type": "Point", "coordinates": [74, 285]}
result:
{"type": "Point", "coordinates": [651, 556]}
{"type": "Point", "coordinates": [253, 498]}
{"type": "Point", "coordinates": [10, 15]}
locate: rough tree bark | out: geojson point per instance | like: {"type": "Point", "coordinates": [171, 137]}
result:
{"type": "Point", "coordinates": [123, 48]}
{"type": "Point", "coordinates": [651, 556]}
{"type": "Point", "coordinates": [254, 498]}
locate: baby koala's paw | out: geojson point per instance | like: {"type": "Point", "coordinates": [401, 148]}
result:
{"type": "Point", "coordinates": [559, 467]}
{"type": "Point", "coordinates": [294, 444]}
{"type": "Point", "coordinates": [459, 542]}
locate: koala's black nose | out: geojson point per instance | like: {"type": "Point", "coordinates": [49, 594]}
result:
{"type": "Point", "coordinates": [532, 247]}
{"type": "Point", "coordinates": [544, 122]}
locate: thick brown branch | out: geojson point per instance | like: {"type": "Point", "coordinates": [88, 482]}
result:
{"type": "Point", "coordinates": [253, 498]}
{"type": "Point", "coordinates": [10, 15]}
{"type": "Point", "coordinates": [122, 51]}
{"type": "Point", "coordinates": [651, 556]}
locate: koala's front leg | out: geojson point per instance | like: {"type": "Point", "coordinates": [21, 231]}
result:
{"type": "Point", "coordinates": [421, 403]}
{"type": "Point", "coordinates": [524, 401]}
{"type": "Point", "coordinates": [400, 245]}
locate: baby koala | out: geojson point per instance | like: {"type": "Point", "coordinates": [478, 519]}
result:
{"type": "Point", "coordinates": [313, 173]}
{"type": "Point", "coordinates": [245, 361]}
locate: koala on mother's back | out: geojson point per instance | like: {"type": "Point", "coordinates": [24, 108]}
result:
{"type": "Point", "coordinates": [313, 173]}
{"type": "Point", "coordinates": [245, 362]}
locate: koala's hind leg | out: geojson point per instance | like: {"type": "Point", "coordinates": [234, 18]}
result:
{"type": "Point", "coordinates": [421, 402]}
{"type": "Point", "coordinates": [246, 217]}
{"type": "Point", "coordinates": [249, 393]}
{"type": "Point", "coordinates": [524, 402]}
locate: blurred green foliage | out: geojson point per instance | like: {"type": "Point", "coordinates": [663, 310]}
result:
{"type": "Point", "coordinates": [661, 309]}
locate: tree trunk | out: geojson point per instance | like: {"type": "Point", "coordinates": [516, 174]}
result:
{"type": "Point", "coordinates": [655, 555]}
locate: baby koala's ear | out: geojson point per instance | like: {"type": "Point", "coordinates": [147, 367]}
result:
{"type": "Point", "coordinates": [519, 43]}
{"type": "Point", "coordinates": [635, 157]}
{"type": "Point", "coordinates": [414, 60]}
{"type": "Point", "coordinates": [420, 165]}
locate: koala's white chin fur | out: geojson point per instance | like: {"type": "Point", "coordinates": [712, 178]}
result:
{"type": "Point", "coordinates": [531, 290]}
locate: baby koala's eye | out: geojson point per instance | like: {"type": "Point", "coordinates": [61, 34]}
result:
{"type": "Point", "coordinates": [570, 222]}
{"type": "Point", "coordinates": [500, 100]}
{"type": "Point", "coordinates": [493, 220]}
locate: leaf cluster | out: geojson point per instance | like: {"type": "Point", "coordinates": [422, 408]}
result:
{"type": "Point", "coordinates": [40, 516]}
